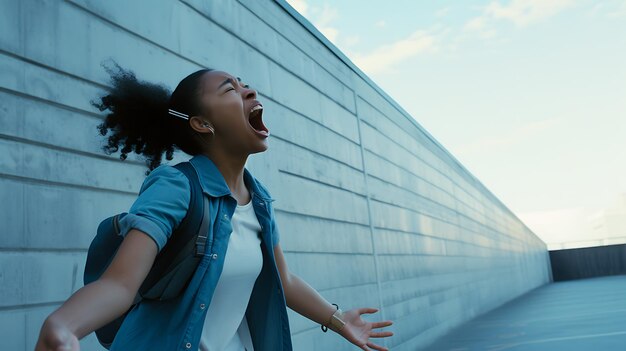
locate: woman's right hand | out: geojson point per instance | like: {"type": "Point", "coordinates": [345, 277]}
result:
{"type": "Point", "coordinates": [56, 337]}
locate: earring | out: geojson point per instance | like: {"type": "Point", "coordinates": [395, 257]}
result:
{"type": "Point", "coordinates": [210, 128]}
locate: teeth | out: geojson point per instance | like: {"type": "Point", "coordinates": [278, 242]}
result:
{"type": "Point", "coordinates": [257, 107]}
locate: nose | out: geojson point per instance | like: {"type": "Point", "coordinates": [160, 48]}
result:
{"type": "Point", "coordinates": [249, 93]}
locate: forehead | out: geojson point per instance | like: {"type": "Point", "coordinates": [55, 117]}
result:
{"type": "Point", "coordinates": [213, 79]}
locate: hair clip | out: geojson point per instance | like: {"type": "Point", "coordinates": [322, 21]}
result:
{"type": "Point", "coordinates": [177, 114]}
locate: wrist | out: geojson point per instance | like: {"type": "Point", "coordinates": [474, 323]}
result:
{"type": "Point", "coordinates": [335, 322]}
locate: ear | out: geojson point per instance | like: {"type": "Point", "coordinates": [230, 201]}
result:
{"type": "Point", "coordinates": [200, 125]}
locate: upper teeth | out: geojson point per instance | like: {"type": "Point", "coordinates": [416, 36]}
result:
{"type": "Point", "coordinates": [257, 107]}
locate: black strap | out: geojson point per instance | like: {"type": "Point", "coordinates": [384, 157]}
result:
{"type": "Point", "coordinates": [185, 232]}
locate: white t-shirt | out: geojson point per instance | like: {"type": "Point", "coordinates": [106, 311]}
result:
{"type": "Point", "coordinates": [225, 327]}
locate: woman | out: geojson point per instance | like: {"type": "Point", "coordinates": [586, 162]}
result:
{"type": "Point", "coordinates": [237, 298]}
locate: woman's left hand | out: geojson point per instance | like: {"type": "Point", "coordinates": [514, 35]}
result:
{"type": "Point", "coordinates": [358, 331]}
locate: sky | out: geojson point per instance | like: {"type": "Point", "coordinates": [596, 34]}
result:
{"type": "Point", "coordinates": [529, 95]}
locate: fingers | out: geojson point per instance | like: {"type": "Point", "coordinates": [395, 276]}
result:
{"type": "Point", "coordinates": [377, 347]}
{"type": "Point", "coordinates": [380, 334]}
{"type": "Point", "coordinates": [367, 310]}
{"type": "Point", "coordinates": [381, 324]}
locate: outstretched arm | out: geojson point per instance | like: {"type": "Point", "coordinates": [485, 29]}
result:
{"type": "Point", "coordinates": [305, 300]}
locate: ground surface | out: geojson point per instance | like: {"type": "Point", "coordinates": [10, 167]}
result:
{"type": "Point", "coordinates": [576, 315]}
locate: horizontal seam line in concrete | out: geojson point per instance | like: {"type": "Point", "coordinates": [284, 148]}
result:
{"type": "Point", "coordinates": [347, 286]}
{"type": "Point", "coordinates": [420, 195]}
{"type": "Point", "coordinates": [425, 146]}
{"type": "Point", "coordinates": [437, 237]}
{"type": "Point", "coordinates": [44, 250]}
{"type": "Point", "coordinates": [417, 157]}
{"type": "Point", "coordinates": [329, 219]}
{"type": "Point", "coordinates": [543, 341]}
{"type": "Point", "coordinates": [401, 167]}
{"type": "Point", "coordinates": [486, 190]}
{"type": "Point", "coordinates": [445, 221]}
{"type": "Point", "coordinates": [320, 124]}
{"type": "Point", "coordinates": [400, 254]}
{"type": "Point", "coordinates": [317, 152]}
{"type": "Point", "coordinates": [553, 318]}
{"type": "Point", "coordinates": [322, 183]}
{"type": "Point", "coordinates": [490, 271]}
{"type": "Point", "coordinates": [51, 68]}
{"type": "Point", "coordinates": [438, 291]}
{"type": "Point", "coordinates": [51, 103]}
{"type": "Point", "coordinates": [30, 180]}
{"type": "Point", "coordinates": [68, 150]}
{"type": "Point", "coordinates": [29, 306]}
{"type": "Point", "coordinates": [328, 253]}
{"type": "Point", "coordinates": [424, 179]}
{"type": "Point", "coordinates": [440, 238]}
{"type": "Point", "coordinates": [427, 199]}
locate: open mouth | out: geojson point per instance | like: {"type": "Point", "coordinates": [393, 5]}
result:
{"type": "Point", "coordinates": [256, 121]}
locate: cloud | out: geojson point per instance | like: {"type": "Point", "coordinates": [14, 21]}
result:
{"type": "Point", "coordinates": [524, 12]}
{"type": "Point", "coordinates": [322, 20]}
{"type": "Point", "coordinates": [380, 24]}
{"type": "Point", "coordinates": [479, 25]}
{"type": "Point", "coordinates": [507, 139]}
{"type": "Point", "coordinates": [330, 32]}
{"type": "Point", "coordinates": [520, 12]}
{"type": "Point", "coordinates": [320, 17]}
{"type": "Point", "coordinates": [300, 6]}
{"type": "Point", "coordinates": [387, 55]}
{"type": "Point", "coordinates": [442, 12]}
{"type": "Point", "coordinates": [611, 10]}
{"type": "Point", "coordinates": [352, 40]}
{"type": "Point", "coordinates": [618, 12]}
{"type": "Point", "coordinates": [326, 15]}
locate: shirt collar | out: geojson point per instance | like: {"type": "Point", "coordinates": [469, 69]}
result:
{"type": "Point", "coordinates": [213, 183]}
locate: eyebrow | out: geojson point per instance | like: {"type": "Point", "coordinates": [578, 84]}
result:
{"type": "Point", "coordinates": [227, 80]}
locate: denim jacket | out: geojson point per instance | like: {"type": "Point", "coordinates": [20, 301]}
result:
{"type": "Point", "coordinates": [177, 324]}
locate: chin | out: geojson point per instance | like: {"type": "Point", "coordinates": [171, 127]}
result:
{"type": "Point", "coordinates": [260, 149]}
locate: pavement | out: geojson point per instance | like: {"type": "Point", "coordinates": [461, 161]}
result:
{"type": "Point", "coordinates": [576, 315]}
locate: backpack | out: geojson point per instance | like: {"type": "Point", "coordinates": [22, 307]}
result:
{"type": "Point", "coordinates": [174, 265]}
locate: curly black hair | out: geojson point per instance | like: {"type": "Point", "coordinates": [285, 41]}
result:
{"type": "Point", "coordinates": [139, 120]}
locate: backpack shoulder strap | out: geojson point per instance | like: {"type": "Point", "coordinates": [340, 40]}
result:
{"type": "Point", "coordinates": [191, 227]}
{"type": "Point", "coordinates": [176, 245]}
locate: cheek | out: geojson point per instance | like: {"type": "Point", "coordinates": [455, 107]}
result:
{"type": "Point", "coordinates": [229, 115]}
{"type": "Point", "coordinates": [230, 106]}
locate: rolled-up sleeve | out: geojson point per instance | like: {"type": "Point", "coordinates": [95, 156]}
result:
{"type": "Point", "coordinates": [161, 205]}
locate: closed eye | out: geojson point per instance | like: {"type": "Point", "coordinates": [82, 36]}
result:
{"type": "Point", "coordinates": [231, 88]}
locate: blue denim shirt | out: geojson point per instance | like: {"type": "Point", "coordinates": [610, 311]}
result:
{"type": "Point", "coordinates": [177, 324]}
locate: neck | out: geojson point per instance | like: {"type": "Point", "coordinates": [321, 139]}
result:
{"type": "Point", "coordinates": [231, 167]}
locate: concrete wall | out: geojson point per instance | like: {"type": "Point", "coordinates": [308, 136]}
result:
{"type": "Point", "coordinates": [588, 262]}
{"type": "Point", "coordinates": [373, 211]}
